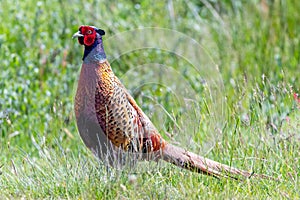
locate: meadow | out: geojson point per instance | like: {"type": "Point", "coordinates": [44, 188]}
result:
{"type": "Point", "coordinates": [219, 78]}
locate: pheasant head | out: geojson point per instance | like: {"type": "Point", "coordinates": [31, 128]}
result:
{"type": "Point", "coordinates": [91, 38]}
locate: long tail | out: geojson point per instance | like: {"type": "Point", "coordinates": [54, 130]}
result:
{"type": "Point", "coordinates": [193, 162]}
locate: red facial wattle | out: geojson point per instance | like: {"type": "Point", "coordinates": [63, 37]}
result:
{"type": "Point", "coordinates": [89, 35]}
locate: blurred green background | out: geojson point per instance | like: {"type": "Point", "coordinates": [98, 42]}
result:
{"type": "Point", "coordinates": [255, 45]}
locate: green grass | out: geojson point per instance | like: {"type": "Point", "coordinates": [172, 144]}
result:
{"type": "Point", "coordinates": [252, 121]}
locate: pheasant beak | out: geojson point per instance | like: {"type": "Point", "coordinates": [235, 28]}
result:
{"type": "Point", "coordinates": [77, 35]}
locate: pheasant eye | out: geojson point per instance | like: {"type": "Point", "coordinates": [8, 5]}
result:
{"type": "Point", "coordinates": [89, 32]}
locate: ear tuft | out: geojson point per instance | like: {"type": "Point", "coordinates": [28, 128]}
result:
{"type": "Point", "coordinates": [100, 31]}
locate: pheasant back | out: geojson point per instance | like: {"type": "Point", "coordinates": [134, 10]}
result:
{"type": "Point", "coordinates": [115, 114]}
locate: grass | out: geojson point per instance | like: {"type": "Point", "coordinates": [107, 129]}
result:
{"type": "Point", "coordinates": [245, 114]}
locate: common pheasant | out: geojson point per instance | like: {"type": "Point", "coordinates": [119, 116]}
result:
{"type": "Point", "coordinates": [112, 125]}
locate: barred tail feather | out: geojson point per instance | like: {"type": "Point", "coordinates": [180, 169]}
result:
{"type": "Point", "coordinates": [194, 162]}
